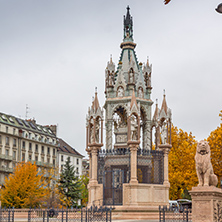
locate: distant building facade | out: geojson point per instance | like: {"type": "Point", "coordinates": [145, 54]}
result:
{"type": "Point", "coordinates": [65, 151]}
{"type": "Point", "coordinates": [25, 140]}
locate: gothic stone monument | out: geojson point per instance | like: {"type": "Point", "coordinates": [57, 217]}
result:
{"type": "Point", "coordinates": [128, 173]}
{"type": "Point", "coordinates": [206, 198]}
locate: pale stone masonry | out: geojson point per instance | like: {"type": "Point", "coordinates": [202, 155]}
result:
{"type": "Point", "coordinates": [128, 173]}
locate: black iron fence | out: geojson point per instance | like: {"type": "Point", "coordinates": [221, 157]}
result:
{"type": "Point", "coordinates": [7, 215]}
{"type": "Point", "coordinates": [169, 214]}
{"type": "Point", "coordinates": [92, 214]}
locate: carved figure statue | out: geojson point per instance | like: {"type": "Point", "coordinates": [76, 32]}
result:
{"type": "Point", "coordinates": [110, 79]}
{"type": "Point", "coordinates": [120, 92]}
{"type": "Point", "coordinates": [164, 133]}
{"type": "Point", "coordinates": [131, 76]}
{"type": "Point", "coordinates": [91, 134]}
{"type": "Point", "coordinates": [140, 92]}
{"type": "Point", "coordinates": [97, 132]}
{"type": "Point", "coordinates": [134, 126]}
{"type": "Point", "coordinates": [204, 167]}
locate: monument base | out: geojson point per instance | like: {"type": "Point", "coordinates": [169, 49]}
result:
{"type": "Point", "coordinates": [206, 203]}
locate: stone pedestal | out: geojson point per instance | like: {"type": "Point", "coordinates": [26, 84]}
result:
{"type": "Point", "coordinates": [206, 203]}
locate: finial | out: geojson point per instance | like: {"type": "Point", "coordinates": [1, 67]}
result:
{"type": "Point", "coordinates": [128, 8]}
{"type": "Point", "coordinates": [156, 101]}
{"type": "Point", "coordinates": [164, 93]}
{"type": "Point", "coordinates": [111, 60]}
{"type": "Point", "coordinates": [92, 98]}
{"type": "Point", "coordinates": [147, 63]}
{"type": "Point", "coordinates": [95, 89]}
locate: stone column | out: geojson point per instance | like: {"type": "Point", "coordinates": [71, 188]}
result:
{"type": "Point", "coordinates": [95, 189]}
{"type": "Point", "coordinates": [206, 204]}
{"type": "Point", "coordinates": [133, 145]}
{"type": "Point", "coordinates": [166, 149]}
{"type": "Point", "coordinates": [94, 152]}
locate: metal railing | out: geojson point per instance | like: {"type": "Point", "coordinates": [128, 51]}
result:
{"type": "Point", "coordinates": [170, 214]}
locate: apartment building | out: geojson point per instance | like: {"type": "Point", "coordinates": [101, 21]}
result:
{"type": "Point", "coordinates": [65, 151]}
{"type": "Point", "coordinates": [25, 140]}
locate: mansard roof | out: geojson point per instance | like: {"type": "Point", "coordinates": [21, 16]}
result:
{"type": "Point", "coordinates": [66, 148]}
{"type": "Point", "coordinates": [25, 124]}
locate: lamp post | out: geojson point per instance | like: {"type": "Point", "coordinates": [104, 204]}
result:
{"type": "Point", "coordinates": [219, 8]}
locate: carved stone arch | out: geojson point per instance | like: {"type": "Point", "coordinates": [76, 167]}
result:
{"type": "Point", "coordinates": [115, 107]}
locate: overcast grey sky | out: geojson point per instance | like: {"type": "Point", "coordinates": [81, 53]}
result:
{"type": "Point", "coordinates": [54, 52]}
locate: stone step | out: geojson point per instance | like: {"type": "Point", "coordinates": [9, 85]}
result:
{"type": "Point", "coordinates": [135, 215]}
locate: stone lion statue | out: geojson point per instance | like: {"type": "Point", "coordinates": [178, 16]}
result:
{"type": "Point", "coordinates": [204, 167]}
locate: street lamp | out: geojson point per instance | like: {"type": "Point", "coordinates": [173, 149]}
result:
{"type": "Point", "coordinates": [219, 8]}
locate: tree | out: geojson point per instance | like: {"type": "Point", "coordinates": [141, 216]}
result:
{"type": "Point", "coordinates": [24, 188]}
{"type": "Point", "coordinates": [84, 180]}
{"type": "Point", "coordinates": [215, 142]}
{"type": "Point", "coordinates": [53, 197]}
{"type": "Point", "coordinates": [182, 171]}
{"type": "Point", "coordinates": [69, 185]}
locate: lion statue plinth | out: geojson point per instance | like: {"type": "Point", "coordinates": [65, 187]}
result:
{"type": "Point", "coordinates": [204, 167]}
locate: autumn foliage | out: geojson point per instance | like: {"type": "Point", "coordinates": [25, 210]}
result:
{"type": "Point", "coordinates": [182, 171]}
{"type": "Point", "coordinates": [24, 188]}
{"type": "Point", "coordinates": [215, 142]}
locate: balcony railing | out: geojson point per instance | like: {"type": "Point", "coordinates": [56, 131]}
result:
{"type": "Point", "coordinates": [5, 157]}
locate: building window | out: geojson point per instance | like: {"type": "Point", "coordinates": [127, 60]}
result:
{"type": "Point", "coordinates": [48, 151]}
{"type": "Point", "coordinates": [42, 149]}
{"type": "Point", "coordinates": [61, 167]}
{"type": "Point", "coordinates": [30, 135]}
{"type": "Point", "coordinates": [42, 159]}
{"type": "Point", "coordinates": [23, 144]}
{"type": "Point", "coordinates": [30, 157]}
{"type": "Point", "coordinates": [23, 156]}
{"type": "Point", "coordinates": [7, 140]}
{"type": "Point", "coordinates": [48, 160]}
{"type": "Point", "coordinates": [54, 152]}
{"type": "Point", "coordinates": [13, 165]}
{"type": "Point", "coordinates": [14, 142]}
{"type": "Point", "coordinates": [36, 158]}
{"type": "Point", "coordinates": [14, 131]}
{"type": "Point", "coordinates": [0, 139]}
{"type": "Point", "coordinates": [30, 146]}
{"type": "Point", "coordinates": [14, 155]}
{"type": "Point", "coordinates": [77, 170]}
{"type": "Point", "coordinates": [53, 162]}
{"type": "Point", "coordinates": [77, 161]}
{"type": "Point", "coordinates": [6, 129]}
{"type": "Point", "coordinates": [61, 157]}
{"type": "Point", "coordinates": [68, 158]}
{"type": "Point", "coordinates": [7, 152]}
{"type": "Point", "coordinates": [36, 148]}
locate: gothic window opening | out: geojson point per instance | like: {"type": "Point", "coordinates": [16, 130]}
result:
{"type": "Point", "coordinates": [120, 127]}
{"type": "Point", "coordinates": [98, 130]}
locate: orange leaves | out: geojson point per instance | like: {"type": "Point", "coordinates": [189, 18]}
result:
{"type": "Point", "coordinates": [215, 142]}
{"type": "Point", "coordinates": [182, 172]}
{"type": "Point", "coordinates": [24, 188]}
